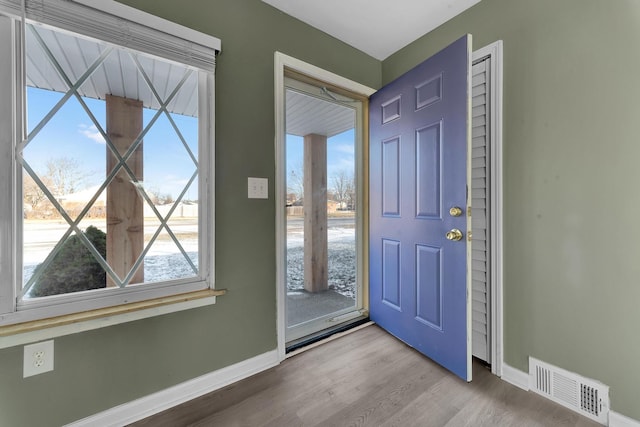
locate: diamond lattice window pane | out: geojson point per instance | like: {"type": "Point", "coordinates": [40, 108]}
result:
{"type": "Point", "coordinates": [112, 161]}
{"type": "Point", "coordinates": [72, 266]}
{"type": "Point", "coordinates": [165, 260]}
{"type": "Point", "coordinates": [65, 155]}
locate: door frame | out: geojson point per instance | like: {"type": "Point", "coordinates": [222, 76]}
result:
{"type": "Point", "coordinates": [494, 52]}
{"type": "Point", "coordinates": [282, 62]}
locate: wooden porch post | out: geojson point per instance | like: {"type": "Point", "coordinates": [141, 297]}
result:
{"type": "Point", "coordinates": [315, 213]}
{"type": "Point", "coordinates": [125, 215]}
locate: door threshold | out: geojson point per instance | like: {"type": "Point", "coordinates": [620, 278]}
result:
{"type": "Point", "coordinates": [326, 335]}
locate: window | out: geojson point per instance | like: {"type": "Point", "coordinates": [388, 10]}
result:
{"type": "Point", "coordinates": [111, 142]}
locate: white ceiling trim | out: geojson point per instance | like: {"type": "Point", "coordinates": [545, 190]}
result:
{"type": "Point", "coordinates": [376, 27]}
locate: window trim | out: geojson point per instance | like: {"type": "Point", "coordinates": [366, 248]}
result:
{"type": "Point", "coordinates": [120, 25]}
{"type": "Point", "coordinates": [47, 328]}
{"type": "Point", "coordinates": [8, 121]}
{"type": "Point", "coordinates": [21, 318]}
{"type": "Point", "coordinates": [136, 15]}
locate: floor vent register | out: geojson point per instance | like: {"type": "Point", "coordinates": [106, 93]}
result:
{"type": "Point", "coordinates": [583, 395]}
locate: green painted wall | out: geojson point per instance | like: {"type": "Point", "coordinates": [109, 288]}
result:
{"type": "Point", "coordinates": [571, 200]}
{"type": "Point", "coordinates": [100, 369]}
{"type": "Point", "coordinates": [571, 233]}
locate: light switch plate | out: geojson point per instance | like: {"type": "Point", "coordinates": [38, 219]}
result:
{"type": "Point", "coordinates": [258, 188]}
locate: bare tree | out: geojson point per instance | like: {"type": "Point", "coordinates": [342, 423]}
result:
{"type": "Point", "coordinates": [159, 198]}
{"type": "Point", "coordinates": [165, 199]}
{"type": "Point", "coordinates": [343, 188]}
{"type": "Point", "coordinates": [65, 175]}
{"type": "Point", "coordinates": [295, 183]}
{"type": "Point", "coordinates": [32, 193]}
{"type": "Point", "coordinates": [351, 193]}
{"type": "Point", "coordinates": [61, 176]}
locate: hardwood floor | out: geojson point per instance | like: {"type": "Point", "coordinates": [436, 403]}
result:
{"type": "Point", "coordinates": [367, 378]}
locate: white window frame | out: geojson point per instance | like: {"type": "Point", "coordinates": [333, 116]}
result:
{"type": "Point", "coordinates": [12, 312]}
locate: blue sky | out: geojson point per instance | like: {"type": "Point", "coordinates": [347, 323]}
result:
{"type": "Point", "coordinates": [71, 133]}
{"type": "Point", "coordinates": [340, 154]}
{"type": "Point", "coordinates": [167, 166]}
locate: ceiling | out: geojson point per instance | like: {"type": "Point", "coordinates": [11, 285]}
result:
{"type": "Point", "coordinates": [376, 27]}
{"type": "Point", "coordinates": [117, 75]}
{"type": "Point", "coordinates": [307, 114]}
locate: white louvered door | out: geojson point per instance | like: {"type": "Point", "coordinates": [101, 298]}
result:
{"type": "Point", "coordinates": [480, 203]}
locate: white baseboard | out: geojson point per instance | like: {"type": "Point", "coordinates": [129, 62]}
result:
{"type": "Point", "coordinates": [157, 402]}
{"type": "Point", "coordinates": [619, 420]}
{"type": "Point", "coordinates": [515, 377]}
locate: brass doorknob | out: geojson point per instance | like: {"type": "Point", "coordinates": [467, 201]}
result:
{"type": "Point", "coordinates": [455, 211]}
{"type": "Point", "coordinates": [454, 235]}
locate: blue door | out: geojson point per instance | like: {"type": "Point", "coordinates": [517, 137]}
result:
{"type": "Point", "coordinates": [418, 208]}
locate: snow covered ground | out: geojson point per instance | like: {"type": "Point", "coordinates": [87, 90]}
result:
{"type": "Point", "coordinates": [165, 262]}
{"type": "Point", "coordinates": [342, 256]}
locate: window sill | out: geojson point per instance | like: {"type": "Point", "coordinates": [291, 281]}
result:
{"type": "Point", "coordinates": [37, 330]}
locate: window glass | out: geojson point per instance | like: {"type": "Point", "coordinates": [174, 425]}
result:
{"type": "Point", "coordinates": [321, 143]}
{"type": "Point", "coordinates": [110, 170]}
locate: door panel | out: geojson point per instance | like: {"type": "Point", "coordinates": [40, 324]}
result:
{"type": "Point", "coordinates": [428, 200]}
{"type": "Point", "coordinates": [418, 170]}
{"type": "Point", "coordinates": [429, 286]}
{"type": "Point", "coordinates": [391, 177]}
{"type": "Point", "coordinates": [391, 273]}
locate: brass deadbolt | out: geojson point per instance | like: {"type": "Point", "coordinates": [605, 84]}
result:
{"type": "Point", "coordinates": [455, 211]}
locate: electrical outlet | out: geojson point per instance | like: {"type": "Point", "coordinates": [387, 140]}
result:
{"type": "Point", "coordinates": [38, 358]}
